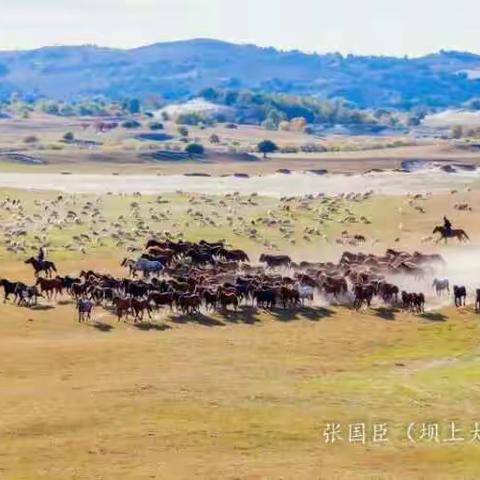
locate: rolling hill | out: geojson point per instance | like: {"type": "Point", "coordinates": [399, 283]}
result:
{"type": "Point", "coordinates": [178, 70]}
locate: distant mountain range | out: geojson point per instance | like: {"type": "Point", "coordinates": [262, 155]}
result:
{"type": "Point", "coordinates": [179, 70]}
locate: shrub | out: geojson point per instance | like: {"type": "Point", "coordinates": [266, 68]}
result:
{"type": "Point", "coordinates": [131, 124]}
{"type": "Point", "coordinates": [194, 149]}
{"type": "Point", "coordinates": [312, 148]}
{"type": "Point", "coordinates": [30, 139]}
{"type": "Point", "coordinates": [183, 131]}
{"type": "Point", "coordinates": [155, 126]}
{"type": "Point", "coordinates": [68, 137]}
{"type": "Point", "coordinates": [289, 149]}
{"type": "Point", "coordinates": [214, 138]}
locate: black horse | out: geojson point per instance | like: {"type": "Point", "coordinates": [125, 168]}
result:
{"type": "Point", "coordinates": [11, 288]}
{"type": "Point", "coordinates": [460, 296]}
{"type": "Point", "coordinates": [42, 266]}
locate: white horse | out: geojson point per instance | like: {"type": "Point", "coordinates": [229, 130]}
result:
{"type": "Point", "coordinates": [441, 285]}
{"type": "Point", "coordinates": [305, 293]}
{"type": "Point", "coordinates": [147, 267]}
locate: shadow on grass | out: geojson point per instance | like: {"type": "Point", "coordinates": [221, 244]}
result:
{"type": "Point", "coordinates": [310, 313]}
{"type": "Point", "coordinates": [42, 308]}
{"type": "Point", "coordinates": [66, 302]}
{"type": "Point", "coordinates": [101, 326]}
{"type": "Point", "coordinates": [434, 316]}
{"type": "Point", "coordinates": [316, 313]}
{"type": "Point", "coordinates": [244, 314]}
{"type": "Point", "coordinates": [147, 326]}
{"type": "Point", "coordinates": [386, 313]}
{"type": "Point", "coordinates": [199, 318]}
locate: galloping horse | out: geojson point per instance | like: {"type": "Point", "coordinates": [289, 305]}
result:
{"type": "Point", "coordinates": [457, 233]}
{"type": "Point", "coordinates": [42, 266]}
{"type": "Point", "coordinates": [143, 265]}
{"type": "Point", "coordinates": [441, 285]}
{"type": "Point", "coordinates": [84, 309]}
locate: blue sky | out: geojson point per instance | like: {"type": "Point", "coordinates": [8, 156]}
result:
{"type": "Point", "coordinates": [390, 27]}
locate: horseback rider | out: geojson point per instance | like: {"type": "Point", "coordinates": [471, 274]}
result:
{"type": "Point", "coordinates": [41, 255]}
{"type": "Point", "coordinates": [447, 225]}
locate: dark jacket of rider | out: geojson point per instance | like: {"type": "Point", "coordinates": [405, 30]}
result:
{"type": "Point", "coordinates": [447, 224]}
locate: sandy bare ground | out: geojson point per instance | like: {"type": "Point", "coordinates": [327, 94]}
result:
{"type": "Point", "coordinates": [277, 185]}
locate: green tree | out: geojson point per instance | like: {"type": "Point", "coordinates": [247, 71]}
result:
{"type": "Point", "coordinates": [275, 117]}
{"type": "Point", "coordinates": [209, 94]}
{"type": "Point", "coordinates": [194, 149]}
{"type": "Point", "coordinates": [266, 147]}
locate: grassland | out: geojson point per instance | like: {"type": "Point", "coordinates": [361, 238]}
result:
{"type": "Point", "coordinates": [246, 395]}
{"type": "Point", "coordinates": [118, 151]}
{"type": "Point", "coordinates": [238, 396]}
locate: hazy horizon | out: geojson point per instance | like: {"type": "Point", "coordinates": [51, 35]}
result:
{"type": "Point", "coordinates": [374, 27]}
{"type": "Point", "coordinates": [179, 40]}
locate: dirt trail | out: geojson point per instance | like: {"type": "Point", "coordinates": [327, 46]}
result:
{"type": "Point", "coordinates": [296, 184]}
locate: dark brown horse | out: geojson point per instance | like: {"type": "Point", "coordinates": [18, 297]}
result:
{"type": "Point", "coordinates": [457, 233]}
{"type": "Point", "coordinates": [227, 297]}
{"type": "Point", "coordinates": [189, 304]}
{"type": "Point", "coordinates": [161, 299]}
{"type": "Point", "coordinates": [139, 307]}
{"type": "Point", "coordinates": [42, 266]}
{"type": "Point", "coordinates": [289, 296]}
{"type": "Point", "coordinates": [51, 287]}
{"type": "Point", "coordinates": [122, 306]}
{"type": "Point", "coordinates": [363, 294]}
{"type": "Point", "coordinates": [274, 261]}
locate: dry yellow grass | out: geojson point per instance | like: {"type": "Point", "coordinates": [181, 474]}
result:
{"type": "Point", "coordinates": [242, 396]}
{"type": "Point", "coordinates": [119, 150]}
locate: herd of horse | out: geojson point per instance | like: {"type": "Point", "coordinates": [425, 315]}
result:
{"type": "Point", "coordinates": [190, 276]}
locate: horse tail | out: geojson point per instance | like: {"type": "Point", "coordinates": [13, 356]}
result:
{"type": "Point", "coordinates": [54, 268]}
{"type": "Point", "coordinates": [465, 235]}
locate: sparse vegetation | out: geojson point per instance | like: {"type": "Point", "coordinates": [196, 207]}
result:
{"type": "Point", "coordinates": [31, 139]}
{"type": "Point", "coordinates": [183, 131]}
{"type": "Point", "coordinates": [214, 138]}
